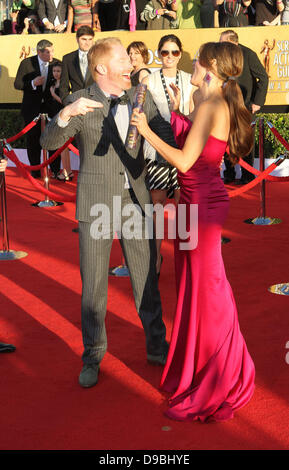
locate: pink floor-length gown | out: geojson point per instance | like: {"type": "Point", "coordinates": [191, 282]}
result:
{"type": "Point", "coordinates": [209, 370]}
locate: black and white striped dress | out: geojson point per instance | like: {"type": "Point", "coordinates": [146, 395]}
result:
{"type": "Point", "coordinates": [163, 176]}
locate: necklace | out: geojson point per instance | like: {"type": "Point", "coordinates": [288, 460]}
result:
{"type": "Point", "coordinates": [165, 86]}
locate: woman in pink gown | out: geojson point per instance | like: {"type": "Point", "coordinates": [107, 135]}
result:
{"type": "Point", "coordinates": [209, 371]}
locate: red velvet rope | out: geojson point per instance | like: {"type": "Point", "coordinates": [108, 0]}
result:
{"type": "Point", "coordinates": [13, 157]}
{"type": "Point", "coordinates": [277, 135]}
{"type": "Point", "coordinates": [24, 131]}
{"type": "Point", "coordinates": [278, 179]}
{"type": "Point", "coordinates": [73, 149]}
{"type": "Point", "coordinates": [50, 160]}
{"type": "Point", "coordinates": [254, 182]}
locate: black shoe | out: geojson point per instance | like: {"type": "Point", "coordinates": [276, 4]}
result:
{"type": "Point", "coordinates": [228, 180]}
{"type": "Point", "coordinates": [159, 360]}
{"type": "Point", "coordinates": [7, 347]}
{"type": "Point", "coordinates": [55, 175]}
{"type": "Point", "coordinates": [36, 174]}
{"type": "Point", "coordinates": [243, 181]}
{"type": "Point", "coordinates": [88, 376]}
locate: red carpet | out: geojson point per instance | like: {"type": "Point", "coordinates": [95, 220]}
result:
{"type": "Point", "coordinates": [43, 407]}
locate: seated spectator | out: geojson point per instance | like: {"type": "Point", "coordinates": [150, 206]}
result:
{"type": "Point", "coordinates": [268, 12]}
{"type": "Point", "coordinates": [189, 14]}
{"type": "Point", "coordinates": [233, 13]}
{"type": "Point", "coordinates": [207, 11]}
{"type": "Point", "coordinates": [53, 15]}
{"type": "Point", "coordinates": [160, 14]}
{"type": "Point", "coordinates": [8, 27]}
{"type": "Point", "coordinates": [138, 54]}
{"type": "Point", "coordinates": [82, 13]}
{"type": "Point", "coordinates": [116, 14]}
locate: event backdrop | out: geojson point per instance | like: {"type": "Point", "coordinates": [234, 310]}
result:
{"type": "Point", "coordinates": [270, 43]}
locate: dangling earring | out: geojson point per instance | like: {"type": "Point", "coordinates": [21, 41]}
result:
{"type": "Point", "coordinates": [207, 78]}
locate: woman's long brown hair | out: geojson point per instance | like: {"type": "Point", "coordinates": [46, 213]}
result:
{"type": "Point", "coordinates": [229, 64]}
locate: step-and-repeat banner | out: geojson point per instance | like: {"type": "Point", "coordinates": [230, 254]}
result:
{"type": "Point", "coordinates": [271, 44]}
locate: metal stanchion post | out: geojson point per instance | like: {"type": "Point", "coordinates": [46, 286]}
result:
{"type": "Point", "coordinates": [6, 254]}
{"type": "Point", "coordinates": [47, 202]}
{"type": "Point", "coordinates": [262, 219]}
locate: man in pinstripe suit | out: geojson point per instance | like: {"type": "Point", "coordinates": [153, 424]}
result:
{"type": "Point", "coordinates": [108, 170]}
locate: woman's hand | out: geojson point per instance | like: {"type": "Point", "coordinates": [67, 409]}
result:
{"type": "Point", "coordinates": [140, 121]}
{"type": "Point", "coordinates": [52, 91]}
{"type": "Point", "coordinates": [175, 97]}
{"type": "Point", "coordinates": [3, 165]}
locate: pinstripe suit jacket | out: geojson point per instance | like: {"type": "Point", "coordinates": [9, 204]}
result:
{"type": "Point", "coordinates": [103, 156]}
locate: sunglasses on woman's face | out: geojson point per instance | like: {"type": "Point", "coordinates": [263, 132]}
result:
{"type": "Point", "coordinates": [165, 53]}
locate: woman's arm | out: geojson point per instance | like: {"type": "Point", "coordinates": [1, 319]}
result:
{"type": "Point", "coordinates": [142, 75]}
{"type": "Point", "coordinates": [70, 15]}
{"type": "Point", "coordinates": [95, 18]}
{"type": "Point", "coordinates": [198, 135]}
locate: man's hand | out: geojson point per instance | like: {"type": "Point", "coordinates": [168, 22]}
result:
{"type": "Point", "coordinates": [59, 28]}
{"type": "Point", "coordinates": [49, 25]}
{"type": "Point", "coordinates": [3, 165]}
{"type": "Point", "coordinates": [39, 80]}
{"type": "Point", "coordinates": [81, 106]}
{"type": "Point", "coordinates": [255, 108]}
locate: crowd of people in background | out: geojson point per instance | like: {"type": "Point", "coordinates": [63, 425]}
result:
{"type": "Point", "coordinates": [66, 16]}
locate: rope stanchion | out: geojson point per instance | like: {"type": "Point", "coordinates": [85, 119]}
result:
{"type": "Point", "coordinates": [262, 219]}
{"type": "Point", "coordinates": [6, 254]}
{"type": "Point", "coordinates": [47, 201]}
{"type": "Point", "coordinates": [9, 152]}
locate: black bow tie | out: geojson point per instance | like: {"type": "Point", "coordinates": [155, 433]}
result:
{"type": "Point", "coordinates": [124, 99]}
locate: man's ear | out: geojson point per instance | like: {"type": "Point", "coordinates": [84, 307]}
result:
{"type": "Point", "coordinates": [101, 69]}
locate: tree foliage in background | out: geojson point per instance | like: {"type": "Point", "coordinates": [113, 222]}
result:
{"type": "Point", "coordinates": [272, 147]}
{"type": "Point", "coordinates": [11, 122]}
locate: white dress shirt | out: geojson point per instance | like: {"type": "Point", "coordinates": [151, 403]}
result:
{"type": "Point", "coordinates": [83, 62]}
{"type": "Point", "coordinates": [43, 71]}
{"type": "Point", "coordinates": [121, 114]}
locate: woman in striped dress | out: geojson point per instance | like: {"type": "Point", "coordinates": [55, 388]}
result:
{"type": "Point", "coordinates": [162, 176]}
{"type": "Point", "coordinates": [82, 13]}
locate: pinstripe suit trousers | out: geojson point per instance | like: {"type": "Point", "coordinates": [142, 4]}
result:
{"type": "Point", "coordinates": [140, 257]}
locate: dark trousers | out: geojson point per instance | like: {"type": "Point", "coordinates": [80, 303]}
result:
{"type": "Point", "coordinates": [230, 173]}
{"type": "Point", "coordinates": [34, 147]}
{"type": "Point", "coordinates": [140, 257]}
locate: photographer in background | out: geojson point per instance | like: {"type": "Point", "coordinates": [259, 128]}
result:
{"type": "Point", "coordinates": [31, 25]}
{"type": "Point", "coordinates": [160, 14]}
{"type": "Point", "coordinates": [22, 9]}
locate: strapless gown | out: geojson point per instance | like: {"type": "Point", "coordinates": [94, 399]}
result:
{"type": "Point", "coordinates": [209, 370]}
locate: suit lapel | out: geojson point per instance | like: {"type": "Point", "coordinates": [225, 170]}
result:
{"type": "Point", "coordinates": [77, 67]}
{"type": "Point", "coordinates": [35, 64]}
